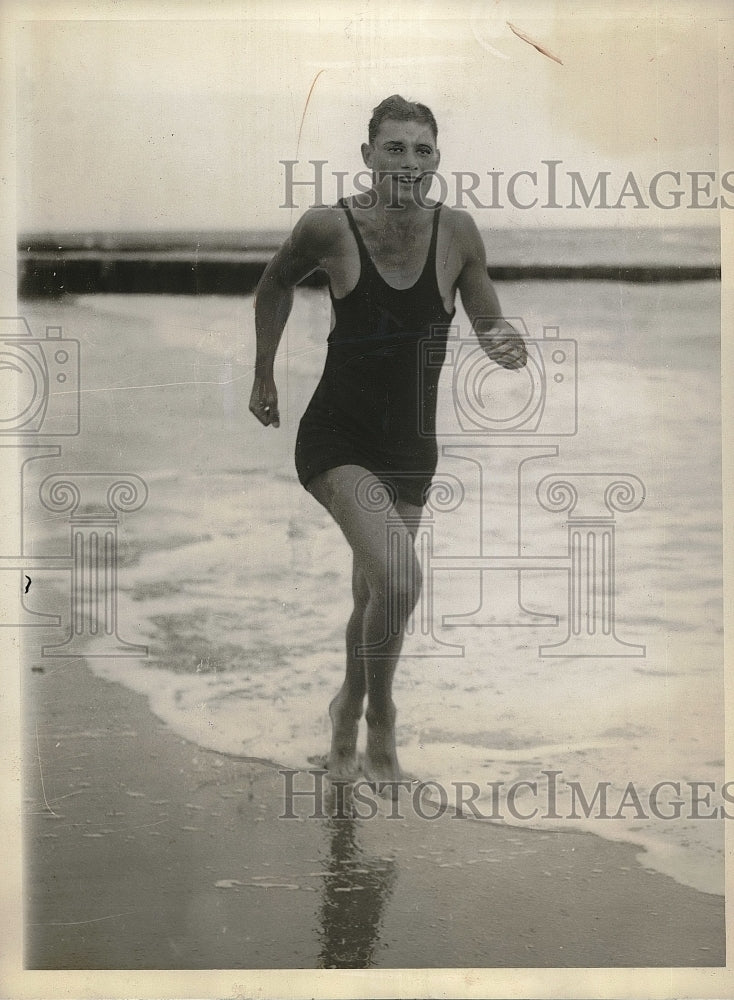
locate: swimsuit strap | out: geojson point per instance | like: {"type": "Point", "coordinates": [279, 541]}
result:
{"type": "Point", "coordinates": [364, 256]}
{"type": "Point", "coordinates": [431, 260]}
{"type": "Point", "coordinates": [434, 237]}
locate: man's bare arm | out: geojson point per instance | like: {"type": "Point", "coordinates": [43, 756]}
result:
{"type": "Point", "coordinates": [298, 257]}
{"type": "Point", "coordinates": [499, 339]}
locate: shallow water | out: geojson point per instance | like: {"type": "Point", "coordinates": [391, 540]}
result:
{"type": "Point", "coordinates": [239, 582]}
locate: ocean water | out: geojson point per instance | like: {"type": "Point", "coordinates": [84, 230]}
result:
{"type": "Point", "coordinates": [239, 583]}
{"type": "Point", "coordinates": [579, 245]}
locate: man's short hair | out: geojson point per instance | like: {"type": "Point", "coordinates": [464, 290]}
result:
{"type": "Point", "coordinates": [398, 109]}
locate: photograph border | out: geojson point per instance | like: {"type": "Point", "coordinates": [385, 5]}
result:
{"type": "Point", "coordinates": [18, 983]}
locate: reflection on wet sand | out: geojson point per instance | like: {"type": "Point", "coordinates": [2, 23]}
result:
{"type": "Point", "coordinates": [354, 894]}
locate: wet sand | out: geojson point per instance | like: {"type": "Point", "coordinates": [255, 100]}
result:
{"type": "Point", "coordinates": [238, 581]}
{"type": "Point", "coordinates": [145, 851]}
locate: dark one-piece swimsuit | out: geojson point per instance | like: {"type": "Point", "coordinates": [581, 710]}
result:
{"type": "Point", "coordinates": [375, 405]}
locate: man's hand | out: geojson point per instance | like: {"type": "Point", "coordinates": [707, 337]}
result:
{"type": "Point", "coordinates": [264, 401]}
{"type": "Point", "coordinates": [505, 346]}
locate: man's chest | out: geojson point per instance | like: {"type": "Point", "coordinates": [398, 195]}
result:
{"type": "Point", "coordinates": [399, 260]}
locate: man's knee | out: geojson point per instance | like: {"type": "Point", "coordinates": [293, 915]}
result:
{"type": "Point", "coordinates": [413, 584]}
{"type": "Point", "coordinates": [403, 584]}
{"type": "Point", "coordinates": [360, 587]}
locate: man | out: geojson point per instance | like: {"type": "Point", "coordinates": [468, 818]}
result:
{"type": "Point", "coordinates": [394, 261]}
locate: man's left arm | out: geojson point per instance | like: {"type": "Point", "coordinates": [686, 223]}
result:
{"type": "Point", "coordinates": [499, 339]}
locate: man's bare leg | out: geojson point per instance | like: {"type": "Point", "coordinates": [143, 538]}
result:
{"type": "Point", "coordinates": [386, 627]}
{"type": "Point", "coordinates": [346, 708]}
{"type": "Point", "coordinates": [393, 586]}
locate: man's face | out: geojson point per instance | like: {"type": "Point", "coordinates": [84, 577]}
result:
{"type": "Point", "coordinates": [402, 158]}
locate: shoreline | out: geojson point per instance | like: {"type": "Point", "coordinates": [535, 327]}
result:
{"type": "Point", "coordinates": [144, 851]}
{"type": "Point", "coordinates": [51, 275]}
{"type": "Point", "coordinates": [231, 263]}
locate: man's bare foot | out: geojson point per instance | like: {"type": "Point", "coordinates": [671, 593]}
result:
{"type": "Point", "coordinates": [342, 763]}
{"type": "Point", "coordinates": [381, 758]}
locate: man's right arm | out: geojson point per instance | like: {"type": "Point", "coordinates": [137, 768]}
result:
{"type": "Point", "coordinates": [498, 339]}
{"type": "Point", "coordinates": [301, 254]}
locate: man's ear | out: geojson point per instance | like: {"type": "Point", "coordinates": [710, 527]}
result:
{"type": "Point", "coordinates": [367, 152]}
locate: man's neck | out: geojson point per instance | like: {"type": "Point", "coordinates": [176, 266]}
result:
{"type": "Point", "coordinates": [395, 213]}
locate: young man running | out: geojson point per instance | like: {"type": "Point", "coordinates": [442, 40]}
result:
{"type": "Point", "coordinates": [394, 261]}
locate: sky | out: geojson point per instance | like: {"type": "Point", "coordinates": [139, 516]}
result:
{"type": "Point", "coordinates": [165, 123]}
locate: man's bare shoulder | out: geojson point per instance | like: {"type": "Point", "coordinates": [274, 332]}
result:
{"type": "Point", "coordinates": [464, 231]}
{"type": "Point", "coordinates": [320, 229]}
